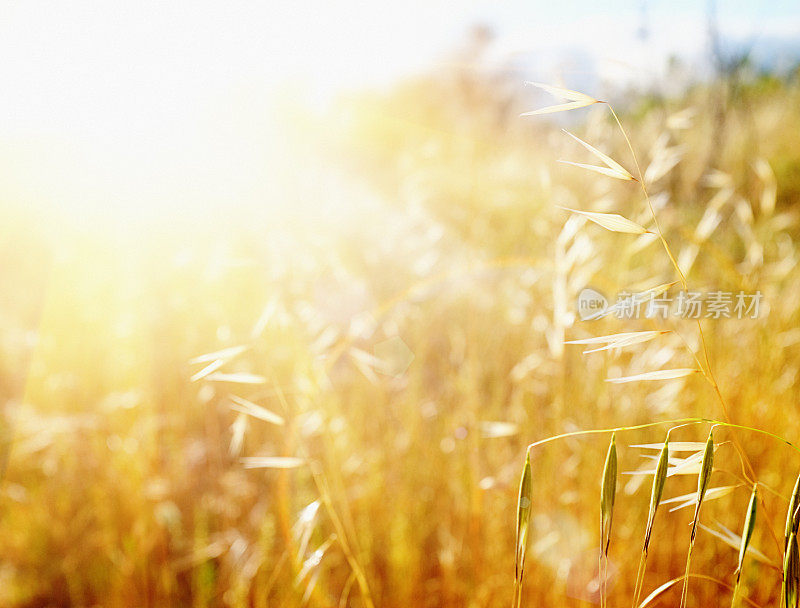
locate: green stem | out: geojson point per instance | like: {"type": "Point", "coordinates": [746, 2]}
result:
{"type": "Point", "coordinates": [639, 578]}
{"type": "Point", "coordinates": [619, 428]}
{"type": "Point", "coordinates": [681, 421]}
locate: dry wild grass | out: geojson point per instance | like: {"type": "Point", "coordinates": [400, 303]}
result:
{"type": "Point", "coordinates": [301, 463]}
{"type": "Point", "coordinates": [617, 223]}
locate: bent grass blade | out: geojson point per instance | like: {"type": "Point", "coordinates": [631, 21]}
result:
{"type": "Point", "coordinates": [574, 98]}
{"type": "Point", "coordinates": [612, 168]}
{"type": "Point", "coordinates": [245, 406]}
{"type": "Point", "coordinates": [610, 221]}
{"type": "Point", "coordinates": [619, 340]}
{"type": "Point", "coordinates": [662, 374]}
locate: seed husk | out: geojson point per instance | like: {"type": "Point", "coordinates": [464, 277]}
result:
{"type": "Point", "coordinates": [659, 479]}
{"type": "Point", "coordinates": [608, 492]}
{"type": "Point", "coordinates": [706, 468]}
{"type": "Point", "coordinates": [747, 534]}
{"type": "Point", "coordinates": [747, 530]}
{"type": "Point", "coordinates": [523, 520]}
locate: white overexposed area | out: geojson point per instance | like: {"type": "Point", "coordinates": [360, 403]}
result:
{"type": "Point", "coordinates": [132, 107]}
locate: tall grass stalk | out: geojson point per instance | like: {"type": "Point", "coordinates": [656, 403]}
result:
{"type": "Point", "coordinates": [618, 223]}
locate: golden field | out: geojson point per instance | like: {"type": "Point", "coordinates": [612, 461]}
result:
{"type": "Point", "coordinates": [401, 311]}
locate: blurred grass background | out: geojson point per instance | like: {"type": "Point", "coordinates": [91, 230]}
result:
{"type": "Point", "coordinates": [435, 222]}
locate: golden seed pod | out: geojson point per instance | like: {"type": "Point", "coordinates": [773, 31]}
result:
{"type": "Point", "coordinates": [607, 494]}
{"type": "Point", "coordinates": [747, 530]}
{"type": "Point", "coordinates": [659, 479]}
{"type": "Point", "coordinates": [523, 517]}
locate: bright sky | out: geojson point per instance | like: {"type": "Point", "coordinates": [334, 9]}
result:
{"type": "Point", "coordinates": [137, 106]}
